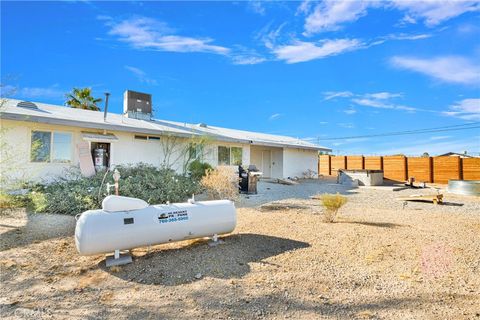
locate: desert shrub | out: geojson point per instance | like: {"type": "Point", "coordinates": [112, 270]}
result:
{"type": "Point", "coordinates": [9, 201]}
{"type": "Point", "coordinates": [198, 169]}
{"type": "Point", "coordinates": [221, 183]}
{"type": "Point", "coordinates": [74, 194]}
{"type": "Point", "coordinates": [332, 203]}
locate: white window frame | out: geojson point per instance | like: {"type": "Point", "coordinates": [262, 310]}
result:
{"type": "Point", "coordinates": [52, 132]}
{"type": "Point", "coordinates": [230, 155]}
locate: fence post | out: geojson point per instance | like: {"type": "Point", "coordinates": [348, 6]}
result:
{"type": "Point", "coordinates": [430, 164]}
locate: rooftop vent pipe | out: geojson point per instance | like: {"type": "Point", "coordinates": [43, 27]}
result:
{"type": "Point", "coordinates": [107, 94]}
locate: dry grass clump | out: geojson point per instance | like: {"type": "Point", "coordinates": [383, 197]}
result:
{"type": "Point", "coordinates": [221, 183]}
{"type": "Point", "coordinates": [332, 203]}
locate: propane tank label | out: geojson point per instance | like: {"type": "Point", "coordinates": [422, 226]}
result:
{"type": "Point", "coordinates": [173, 216]}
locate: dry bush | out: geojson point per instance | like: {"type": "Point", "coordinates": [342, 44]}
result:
{"type": "Point", "coordinates": [221, 183]}
{"type": "Point", "coordinates": [332, 203]}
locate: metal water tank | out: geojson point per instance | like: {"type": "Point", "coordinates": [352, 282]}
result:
{"type": "Point", "coordinates": [124, 224]}
{"type": "Point", "coordinates": [100, 159]}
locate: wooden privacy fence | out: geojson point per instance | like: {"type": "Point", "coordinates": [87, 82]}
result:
{"type": "Point", "coordinates": [400, 168]}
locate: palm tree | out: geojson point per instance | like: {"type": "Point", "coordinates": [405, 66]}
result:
{"type": "Point", "coordinates": [82, 99]}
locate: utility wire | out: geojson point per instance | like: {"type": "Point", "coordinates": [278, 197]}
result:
{"type": "Point", "coordinates": [458, 127]}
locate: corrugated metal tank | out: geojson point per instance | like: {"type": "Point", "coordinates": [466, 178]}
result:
{"type": "Point", "coordinates": [103, 231]}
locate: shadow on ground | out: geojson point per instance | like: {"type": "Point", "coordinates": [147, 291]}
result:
{"type": "Point", "coordinates": [35, 228]}
{"type": "Point", "coordinates": [195, 261]}
{"type": "Point", "coordinates": [374, 224]}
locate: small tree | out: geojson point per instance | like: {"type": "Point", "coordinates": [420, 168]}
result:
{"type": "Point", "coordinates": [332, 203]}
{"type": "Point", "coordinates": [81, 98]}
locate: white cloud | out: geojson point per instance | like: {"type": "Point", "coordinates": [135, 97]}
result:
{"type": "Point", "coordinates": [147, 33]}
{"type": "Point", "coordinates": [372, 103]}
{"type": "Point", "coordinates": [257, 7]}
{"type": "Point", "coordinates": [440, 137]}
{"type": "Point", "coordinates": [304, 7]}
{"type": "Point", "coordinates": [407, 36]}
{"type": "Point", "coordinates": [434, 12]}
{"type": "Point", "coordinates": [346, 125]}
{"type": "Point", "coordinates": [301, 51]}
{"type": "Point", "coordinates": [452, 69]}
{"type": "Point", "coordinates": [350, 111]}
{"type": "Point", "coordinates": [323, 122]}
{"type": "Point", "coordinates": [274, 116]}
{"type": "Point", "coordinates": [330, 14]}
{"type": "Point", "coordinates": [141, 75]}
{"type": "Point", "coordinates": [383, 95]}
{"type": "Point", "coordinates": [245, 59]}
{"type": "Point", "coordinates": [379, 100]}
{"type": "Point", "coordinates": [382, 104]}
{"type": "Point", "coordinates": [268, 35]}
{"type": "Point", "coordinates": [466, 109]}
{"type": "Point", "coordinates": [52, 92]}
{"type": "Point", "coordinates": [243, 56]}
{"type": "Point", "coordinates": [336, 94]}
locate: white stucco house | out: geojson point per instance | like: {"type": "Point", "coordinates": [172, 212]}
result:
{"type": "Point", "coordinates": [58, 132]}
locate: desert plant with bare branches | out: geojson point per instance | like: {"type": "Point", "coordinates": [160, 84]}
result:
{"type": "Point", "coordinates": [221, 183]}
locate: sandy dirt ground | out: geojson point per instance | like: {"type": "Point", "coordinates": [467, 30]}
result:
{"type": "Point", "coordinates": [382, 259]}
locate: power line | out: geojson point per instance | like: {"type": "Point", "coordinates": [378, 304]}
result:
{"type": "Point", "coordinates": [458, 127]}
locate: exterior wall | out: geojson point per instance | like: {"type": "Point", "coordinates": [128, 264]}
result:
{"type": "Point", "coordinates": [276, 165]}
{"type": "Point", "coordinates": [298, 161]}
{"type": "Point", "coordinates": [16, 149]}
{"type": "Point", "coordinates": [127, 150]}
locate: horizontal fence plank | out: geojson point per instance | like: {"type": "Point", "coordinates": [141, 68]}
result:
{"type": "Point", "coordinates": [324, 165]}
{"type": "Point", "coordinates": [420, 169]}
{"type": "Point", "coordinates": [373, 163]}
{"type": "Point", "coordinates": [355, 162]}
{"type": "Point", "coordinates": [446, 168]}
{"type": "Point", "coordinates": [400, 168]}
{"type": "Point", "coordinates": [337, 163]}
{"type": "Point", "coordinates": [471, 168]}
{"type": "Point", "coordinates": [395, 168]}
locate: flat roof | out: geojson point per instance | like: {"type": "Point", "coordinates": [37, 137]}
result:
{"type": "Point", "coordinates": [61, 115]}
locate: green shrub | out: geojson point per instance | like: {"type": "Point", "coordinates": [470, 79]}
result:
{"type": "Point", "coordinates": [198, 169]}
{"type": "Point", "coordinates": [74, 194]}
{"type": "Point", "coordinates": [332, 203]}
{"type": "Point", "coordinates": [12, 201]}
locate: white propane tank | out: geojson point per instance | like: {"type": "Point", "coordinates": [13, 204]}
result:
{"type": "Point", "coordinates": [138, 225]}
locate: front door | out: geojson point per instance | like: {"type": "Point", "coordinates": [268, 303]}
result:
{"type": "Point", "coordinates": [267, 163]}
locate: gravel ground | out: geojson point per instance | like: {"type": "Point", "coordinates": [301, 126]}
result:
{"type": "Point", "coordinates": [381, 260]}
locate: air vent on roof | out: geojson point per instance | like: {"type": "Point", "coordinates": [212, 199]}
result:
{"type": "Point", "coordinates": [27, 104]}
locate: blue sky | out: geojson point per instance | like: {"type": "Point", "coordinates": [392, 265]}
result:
{"type": "Point", "coordinates": [312, 70]}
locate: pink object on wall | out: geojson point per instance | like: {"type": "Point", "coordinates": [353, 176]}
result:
{"type": "Point", "coordinates": [85, 158]}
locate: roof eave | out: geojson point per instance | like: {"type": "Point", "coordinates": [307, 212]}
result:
{"type": "Point", "coordinates": [122, 128]}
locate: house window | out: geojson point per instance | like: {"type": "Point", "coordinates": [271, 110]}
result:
{"type": "Point", "coordinates": [40, 149]}
{"type": "Point", "coordinates": [223, 155]}
{"type": "Point", "coordinates": [51, 147]}
{"type": "Point", "coordinates": [195, 151]}
{"type": "Point", "coordinates": [62, 147]}
{"type": "Point", "coordinates": [152, 138]}
{"type": "Point", "coordinates": [236, 156]}
{"type": "Point", "coordinates": [230, 156]}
